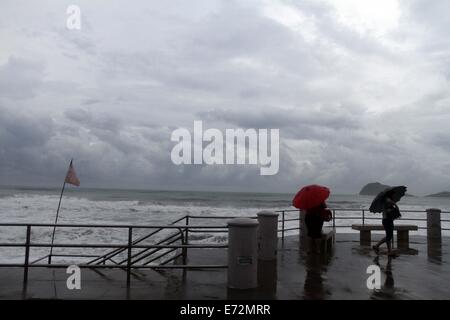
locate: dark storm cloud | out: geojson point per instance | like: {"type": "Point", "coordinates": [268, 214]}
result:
{"type": "Point", "coordinates": [20, 78]}
{"type": "Point", "coordinates": [358, 96]}
{"type": "Point", "coordinates": [20, 131]}
{"type": "Point", "coordinates": [329, 118]}
{"type": "Point", "coordinates": [23, 140]}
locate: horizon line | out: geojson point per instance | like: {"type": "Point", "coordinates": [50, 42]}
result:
{"type": "Point", "coordinates": [176, 190]}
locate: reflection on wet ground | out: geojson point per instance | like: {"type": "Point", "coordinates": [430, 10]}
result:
{"type": "Point", "coordinates": [420, 272]}
{"type": "Point", "coordinates": [416, 273]}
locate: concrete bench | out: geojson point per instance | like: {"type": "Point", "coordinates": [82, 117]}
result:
{"type": "Point", "coordinates": [402, 232]}
{"type": "Point", "coordinates": [328, 240]}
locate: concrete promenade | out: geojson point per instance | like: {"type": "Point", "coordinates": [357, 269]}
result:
{"type": "Point", "coordinates": [417, 273]}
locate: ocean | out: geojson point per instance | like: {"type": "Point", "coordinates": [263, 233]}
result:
{"type": "Point", "coordinates": [103, 206]}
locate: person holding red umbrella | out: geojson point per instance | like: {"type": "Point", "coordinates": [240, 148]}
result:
{"type": "Point", "coordinates": [312, 199]}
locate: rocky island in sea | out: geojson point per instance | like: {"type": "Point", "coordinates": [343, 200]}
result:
{"type": "Point", "coordinates": [443, 194]}
{"type": "Point", "coordinates": [374, 188]}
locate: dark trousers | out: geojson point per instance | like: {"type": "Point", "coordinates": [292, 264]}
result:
{"type": "Point", "coordinates": [388, 225]}
{"type": "Point", "coordinates": [314, 224]}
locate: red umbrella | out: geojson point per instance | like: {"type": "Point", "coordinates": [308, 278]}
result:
{"type": "Point", "coordinates": [310, 196]}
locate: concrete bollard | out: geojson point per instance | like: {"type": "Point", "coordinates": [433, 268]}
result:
{"type": "Point", "coordinates": [434, 235]}
{"type": "Point", "coordinates": [242, 253]}
{"type": "Point", "coordinates": [434, 225]}
{"type": "Point", "coordinates": [267, 235]}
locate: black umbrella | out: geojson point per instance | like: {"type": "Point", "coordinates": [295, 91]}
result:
{"type": "Point", "coordinates": [395, 193]}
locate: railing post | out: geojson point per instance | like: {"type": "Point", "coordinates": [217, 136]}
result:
{"type": "Point", "coordinates": [185, 241]}
{"type": "Point", "coordinates": [27, 255]}
{"type": "Point", "coordinates": [334, 218]}
{"type": "Point", "coordinates": [50, 255]}
{"type": "Point", "coordinates": [303, 230]}
{"type": "Point", "coordinates": [184, 249]}
{"type": "Point", "coordinates": [282, 227]}
{"type": "Point", "coordinates": [363, 216]}
{"type": "Point", "coordinates": [130, 244]}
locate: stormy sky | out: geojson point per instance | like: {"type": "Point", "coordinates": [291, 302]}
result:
{"type": "Point", "coordinates": [358, 89]}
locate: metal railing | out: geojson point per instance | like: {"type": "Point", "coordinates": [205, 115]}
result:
{"type": "Point", "coordinates": [285, 218]}
{"type": "Point", "coordinates": [142, 259]}
{"type": "Point", "coordinates": [137, 254]}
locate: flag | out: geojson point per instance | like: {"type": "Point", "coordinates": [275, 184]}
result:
{"type": "Point", "coordinates": [71, 176]}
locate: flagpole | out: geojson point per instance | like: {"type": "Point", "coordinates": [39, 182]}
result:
{"type": "Point", "coordinates": [56, 218]}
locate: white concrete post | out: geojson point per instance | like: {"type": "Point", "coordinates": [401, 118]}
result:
{"type": "Point", "coordinates": [242, 253]}
{"type": "Point", "coordinates": [434, 225]}
{"type": "Point", "coordinates": [267, 235]}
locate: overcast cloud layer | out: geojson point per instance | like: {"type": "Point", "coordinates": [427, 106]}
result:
{"type": "Point", "coordinates": [359, 90]}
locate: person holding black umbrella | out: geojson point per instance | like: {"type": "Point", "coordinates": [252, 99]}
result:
{"type": "Point", "coordinates": [386, 202]}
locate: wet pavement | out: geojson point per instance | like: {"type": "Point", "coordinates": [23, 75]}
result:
{"type": "Point", "coordinates": [420, 272]}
